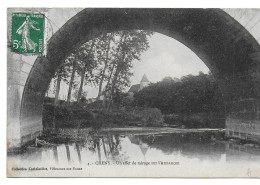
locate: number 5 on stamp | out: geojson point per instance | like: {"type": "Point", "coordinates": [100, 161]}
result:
{"type": "Point", "coordinates": [28, 33]}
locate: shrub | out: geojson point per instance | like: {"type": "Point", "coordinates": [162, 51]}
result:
{"type": "Point", "coordinates": [152, 116]}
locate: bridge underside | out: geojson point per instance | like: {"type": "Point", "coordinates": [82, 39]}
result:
{"type": "Point", "coordinates": [229, 51]}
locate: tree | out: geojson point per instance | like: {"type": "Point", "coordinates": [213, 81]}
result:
{"type": "Point", "coordinates": [103, 57]}
{"type": "Point", "coordinates": [92, 55]}
{"type": "Point", "coordinates": [192, 94]}
{"type": "Point", "coordinates": [73, 68]}
{"type": "Point", "coordinates": [85, 55]}
{"type": "Point", "coordinates": [61, 74]}
{"type": "Point", "coordinates": [83, 94]}
{"type": "Point", "coordinates": [129, 47]}
{"type": "Point", "coordinates": [105, 61]}
{"type": "Point", "coordinates": [167, 79]}
{"type": "Point", "coordinates": [57, 92]}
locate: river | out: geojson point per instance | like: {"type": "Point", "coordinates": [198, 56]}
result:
{"type": "Point", "coordinates": [196, 151]}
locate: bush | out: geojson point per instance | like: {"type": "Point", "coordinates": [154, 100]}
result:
{"type": "Point", "coordinates": [152, 116]}
{"type": "Point", "coordinates": [65, 116]}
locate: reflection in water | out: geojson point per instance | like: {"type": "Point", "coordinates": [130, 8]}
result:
{"type": "Point", "coordinates": [55, 153]}
{"type": "Point", "coordinates": [68, 152]}
{"type": "Point", "coordinates": [78, 152]}
{"type": "Point", "coordinates": [91, 147]}
{"type": "Point", "coordinates": [103, 143]}
{"type": "Point", "coordinates": [98, 149]}
{"type": "Point", "coordinates": [189, 145]}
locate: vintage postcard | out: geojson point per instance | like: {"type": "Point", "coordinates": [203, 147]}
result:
{"type": "Point", "coordinates": [133, 92]}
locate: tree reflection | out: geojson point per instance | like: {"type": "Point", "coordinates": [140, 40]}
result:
{"type": "Point", "coordinates": [191, 145]}
{"type": "Point", "coordinates": [68, 152]}
{"type": "Point", "coordinates": [107, 146]}
{"type": "Point", "coordinates": [55, 153]}
{"type": "Point", "coordinates": [78, 152]}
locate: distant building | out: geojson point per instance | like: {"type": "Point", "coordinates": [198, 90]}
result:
{"type": "Point", "coordinates": [138, 87]}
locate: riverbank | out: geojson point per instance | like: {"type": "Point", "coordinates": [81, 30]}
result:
{"type": "Point", "coordinates": [68, 135]}
{"type": "Point", "coordinates": [135, 131]}
{"type": "Point", "coordinates": [80, 116]}
{"type": "Point", "coordinates": [216, 133]}
{"type": "Point", "coordinates": [196, 120]}
{"type": "Point", "coordinates": [156, 130]}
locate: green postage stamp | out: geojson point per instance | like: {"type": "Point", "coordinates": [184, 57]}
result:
{"type": "Point", "coordinates": [28, 33]}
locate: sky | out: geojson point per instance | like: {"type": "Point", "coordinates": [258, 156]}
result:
{"type": "Point", "coordinates": [165, 57]}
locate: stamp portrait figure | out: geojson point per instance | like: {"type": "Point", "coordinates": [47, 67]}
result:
{"type": "Point", "coordinates": [24, 30]}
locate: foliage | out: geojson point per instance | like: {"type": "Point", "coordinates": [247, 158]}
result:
{"type": "Point", "coordinates": [83, 94]}
{"type": "Point", "coordinates": [191, 94]}
{"type": "Point", "coordinates": [127, 47]}
{"type": "Point", "coordinates": [105, 62]}
{"type": "Point", "coordinates": [152, 116]}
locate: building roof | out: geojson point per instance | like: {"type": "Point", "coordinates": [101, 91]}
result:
{"type": "Point", "coordinates": [134, 88]}
{"type": "Point", "coordinates": [144, 148]}
{"type": "Point", "coordinates": [134, 139]}
{"type": "Point", "coordinates": [144, 79]}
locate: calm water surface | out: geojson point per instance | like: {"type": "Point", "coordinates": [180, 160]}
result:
{"type": "Point", "coordinates": [92, 148]}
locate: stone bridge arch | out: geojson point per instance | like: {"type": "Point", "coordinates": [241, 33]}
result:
{"type": "Point", "coordinates": [225, 46]}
